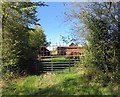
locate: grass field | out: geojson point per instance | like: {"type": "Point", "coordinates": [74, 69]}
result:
{"type": "Point", "coordinates": [56, 83]}
{"type": "Point", "coordinates": [57, 58]}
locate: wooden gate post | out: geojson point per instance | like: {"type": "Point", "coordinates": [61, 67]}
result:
{"type": "Point", "coordinates": [69, 64]}
{"type": "Point", "coordinates": [51, 65]}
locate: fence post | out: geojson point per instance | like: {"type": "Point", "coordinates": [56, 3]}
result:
{"type": "Point", "coordinates": [69, 64]}
{"type": "Point", "coordinates": [51, 65]}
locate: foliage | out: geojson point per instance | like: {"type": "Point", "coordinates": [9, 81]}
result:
{"type": "Point", "coordinates": [70, 39]}
{"type": "Point", "coordinates": [102, 38]}
{"type": "Point", "coordinates": [17, 17]}
{"type": "Point", "coordinates": [100, 26]}
{"type": "Point", "coordinates": [37, 37]}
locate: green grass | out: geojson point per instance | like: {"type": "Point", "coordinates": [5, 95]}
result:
{"type": "Point", "coordinates": [58, 59]}
{"type": "Point", "coordinates": [56, 83]}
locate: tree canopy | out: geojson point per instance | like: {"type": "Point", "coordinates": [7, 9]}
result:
{"type": "Point", "coordinates": [100, 26]}
{"type": "Point", "coordinates": [18, 37]}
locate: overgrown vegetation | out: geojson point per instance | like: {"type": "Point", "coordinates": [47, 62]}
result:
{"type": "Point", "coordinates": [97, 73]}
{"type": "Point", "coordinates": [100, 27]}
{"type": "Point", "coordinates": [20, 41]}
{"type": "Point", "coordinates": [64, 82]}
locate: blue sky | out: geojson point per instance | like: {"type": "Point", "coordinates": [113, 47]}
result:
{"type": "Point", "coordinates": [52, 21]}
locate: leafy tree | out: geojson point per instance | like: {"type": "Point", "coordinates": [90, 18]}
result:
{"type": "Point", "coordinates": [17, 16]}
{"type": "Point", "coordinates": [36, 39]}
{"type": "Point", "coordinates": [100, 25]}
{"type": "Point", "coordinates": [69, 39]}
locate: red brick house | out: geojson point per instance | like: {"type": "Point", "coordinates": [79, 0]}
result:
{"type": "Point", "coordinates": [70, 50]}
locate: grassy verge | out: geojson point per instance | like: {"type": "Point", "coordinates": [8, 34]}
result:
{"type": "Point", "coordinates": [56, 83]}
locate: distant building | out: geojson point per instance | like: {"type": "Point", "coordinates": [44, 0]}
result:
{"type": "Point", "coordinates": [70, 50]}
{"type": "Point", "coordinates": [54, 52]}
{"type": "Point", "coordinates": [61, 50]}
{"type": "Point", "coordinates": [44, 51]}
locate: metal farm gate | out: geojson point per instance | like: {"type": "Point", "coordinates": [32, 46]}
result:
{"type": "Point", "coordinates": [55, 58]}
